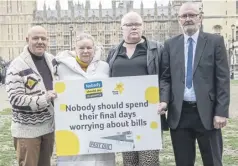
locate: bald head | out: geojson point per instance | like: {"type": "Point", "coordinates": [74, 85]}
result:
{"type": "Point", "coordinates": [35, 29]}
{"type": "Point", "coordinates": [37, 40]}
{"type": "Point", "coordinates": [132, 27]}
{"type": "Point", "coordinates": [129, 16]}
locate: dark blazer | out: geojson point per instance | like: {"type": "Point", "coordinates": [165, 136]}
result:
{"type": "Point", "coordinates": [154, 53]}
{"type": "Point", "coordinates": [211, 79]}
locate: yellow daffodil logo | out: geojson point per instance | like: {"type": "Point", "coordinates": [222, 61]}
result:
{"type": "Point", "coordinates": [119, 88]}
{"type": "Point", "coordinates": [31, 82]}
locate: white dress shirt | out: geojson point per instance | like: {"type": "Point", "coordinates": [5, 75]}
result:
{"type": "Point", "coordinates": [189, 94]}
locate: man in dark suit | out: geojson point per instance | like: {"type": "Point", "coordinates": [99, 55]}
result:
{"type": "Point", "coordinates": [195, 87]}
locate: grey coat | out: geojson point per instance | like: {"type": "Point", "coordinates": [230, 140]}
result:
{"type": "Point", "coordinates": [210, 78]}
{"type": "Point", "coordinates": [154, 52]}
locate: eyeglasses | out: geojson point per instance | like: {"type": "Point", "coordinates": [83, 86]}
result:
{"type": "Point", "coordinates": [185, 16]}
{"type": "Point", "coordinates": [37, 38]}
{"type": "Point", "coordinates": [129, 25]}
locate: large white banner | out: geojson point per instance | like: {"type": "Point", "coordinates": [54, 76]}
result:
{"type": "Point", "coordinates": [109, 115]}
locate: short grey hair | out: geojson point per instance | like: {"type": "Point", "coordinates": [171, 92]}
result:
{"type": "Point", "coordinates": [82, 36]}
{"type": "Point", "coordinates": [192, 5]}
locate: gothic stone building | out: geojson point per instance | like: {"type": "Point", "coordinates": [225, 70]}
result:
{"type": "Point", "coordinates": [15, 19]}
{"type": "Point", "coordinates": [17, 16]}
{"type": "Point", "coordinates": [160, 22]}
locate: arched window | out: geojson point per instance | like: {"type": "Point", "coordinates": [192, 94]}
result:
{"type": "Point", "coordinates": [217, 29]}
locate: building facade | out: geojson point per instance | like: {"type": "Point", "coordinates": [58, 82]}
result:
{"type": "Point", "coordinates": [160, 22]}
{"type": "Point", "coordinates": [233, 52]}
{"type": "Point", "coordinates": [16, 17]}
{"type": "Point", "coordinates": [219, 16]}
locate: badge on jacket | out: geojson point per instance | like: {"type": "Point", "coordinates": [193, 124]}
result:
{"type": "Point", "coordinates": [31, 82]}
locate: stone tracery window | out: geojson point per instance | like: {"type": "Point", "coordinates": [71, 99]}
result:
{"type": "Point", "coordinates": [217, 29]}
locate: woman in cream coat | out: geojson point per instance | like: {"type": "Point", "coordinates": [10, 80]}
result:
{"type": "Point", "coordinates": [83, 63]}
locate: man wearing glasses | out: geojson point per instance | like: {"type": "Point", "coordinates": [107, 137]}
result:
{"type": "Point", "coordinates": [195, 87]}
{"type": "Point", "coordinates": [135, 56]}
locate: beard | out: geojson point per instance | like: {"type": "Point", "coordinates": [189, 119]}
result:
{"type": "Point", "coordinates": [190, 29]}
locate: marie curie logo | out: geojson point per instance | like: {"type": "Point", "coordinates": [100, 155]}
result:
{"type": "Point", "coordinates": [119, 88]}
{"type": "Point", "coordinates": [93, 89]}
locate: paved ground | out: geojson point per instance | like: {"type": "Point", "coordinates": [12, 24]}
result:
{"type": "Point", "coordinates": [234, 101]}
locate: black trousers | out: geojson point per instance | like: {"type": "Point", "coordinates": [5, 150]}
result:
{"type": "Point", "coordinates": [189, 130]}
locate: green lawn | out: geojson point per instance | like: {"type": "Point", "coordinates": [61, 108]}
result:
{"type": "Point", "coordinates": [230, 157]}
{"type": "Point", "coordinates": [234, 82]}
{"type": "Point", "coordinates": [6, 111]}
{"type": "Point", "coordinates": [230, 134]}
{"type": "Point", "coordinates": [7, 154]}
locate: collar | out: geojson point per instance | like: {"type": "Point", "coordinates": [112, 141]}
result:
{"type": "Point", "coordinates": [149, 44]}
{"type": "Point", "coordinates": [81, 63]}
{"type": "Point", "coordinates": [35, 57]}
{"type": "Point", "coordinates": [140, 44]}
{"type": "Point", "coordinates": [27, 58]}
{"type": "Point", "coordinates": [142, 37]}
{"type": "Point", "coordinates": [194, 37]}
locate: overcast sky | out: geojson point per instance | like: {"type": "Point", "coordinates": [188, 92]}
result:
{"type": "Point", "coordinates": [95, 3]}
